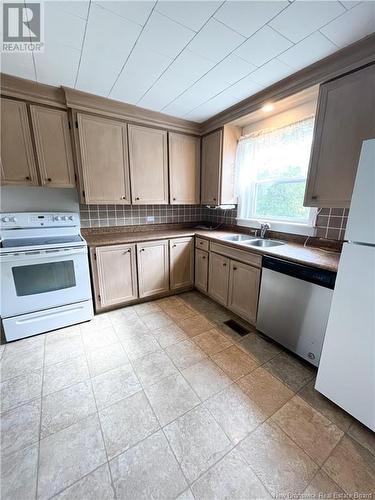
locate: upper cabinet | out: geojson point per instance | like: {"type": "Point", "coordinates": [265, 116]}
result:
{"type": "Point", "coordinates": [184, 169]}
{"type": "Point", "coordinates": [53, 146]}
{"type": "Point", "coordinates": [17, 157]}
{"type": "Point", "coordinates": [148, 158]}
{"type": "Point", "coordinates": [218, 166]}
{"type": "Point", "coordinates": [104, 160]}
{"type": "Point", "coordinates": [345, 117]}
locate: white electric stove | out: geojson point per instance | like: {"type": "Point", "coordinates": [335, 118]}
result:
{"type": "Point", "coordinates": [45, 279]}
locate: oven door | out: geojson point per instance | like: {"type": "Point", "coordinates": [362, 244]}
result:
{"type": "Point", "coordinates": [41, 279]}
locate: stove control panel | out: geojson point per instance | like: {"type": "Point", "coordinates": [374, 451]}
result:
{"type": "Point", "coordinates": [46, 219]}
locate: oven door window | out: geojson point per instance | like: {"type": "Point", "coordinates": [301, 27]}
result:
{"type": "Point", "coordinates": [43, 278]}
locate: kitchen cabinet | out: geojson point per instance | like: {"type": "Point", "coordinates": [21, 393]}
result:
{"type": "Point", "coordinates": [181, 262]}
{"type": "Point", "coordinates": [116, 274]}
{"type": "Point", "coordinates": [345, 117]}
{"type": "Point", "coordinates": [53, 146]}
{"type": "Point", "coordinates": [201, 270]}
{"type": "Point", "coordinates": [243, 290]}
{"type": "Point", "coordinates": [184, 169]}
{"type": "Point", "coordinates": [148, 156]}
{"type": "Point", "coordinates": [18, 164]}
{"type": "Point", "coordinates": [218, 278]}
{"type": "Point", "coordinates": [218, 166]}
{"type": "Point", "coordinates": [104, 160]}
{"type": "Point", "coordinates": [153, 268]}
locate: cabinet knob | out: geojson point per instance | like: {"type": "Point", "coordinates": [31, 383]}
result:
{"type": "Point", "coordinates": [142, 250]}
{"type": "Point", "coordinates": [203, 257]}
{"type": "Point", "coordinates": [27, 178]}
{"type": "Point", "coordinates": [314, 197]}
{"type": "Point", "coordinates": [123, 197]}
{"type": "Point", "coordinates": [214, 199]}
{"type": "Point", "coordinates": [49, 179]}
{"type": "Point", "coordinates": [174, 246]}
{"type": "Point", "coordinates": [224, 264]}
{"type": "Point", "coordinates": [137, 198]}
{"type": "Point", "coordinates": [127, 251]}
{"type": "Point", "coordinates": [174, 199]}
{"type": "Point", "coordinates": [235, 269]}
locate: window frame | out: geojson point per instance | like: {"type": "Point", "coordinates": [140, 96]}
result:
{"type": "Point", "coordinates": [282, 224]}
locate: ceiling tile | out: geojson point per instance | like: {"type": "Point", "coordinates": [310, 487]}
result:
{"type": "Point", "coordinates": [18, 65]}
{"type": "Point", "coordinates": [165, 36]}
{"type": "Point", "coordinates": [57, 65]}
{"type": "Point", "coordinates": [200, 92]}
{"type": "Point", "coordinates": [263, 46]}
{"type": "Point", "coordinates": [109, 41]}
{"type": "Point", "coordinates": [56, 22]}
{"type": "Point", "coordinates": [76, 8]}
{"type": "Point", "coordinates": [246, 17]}
{"type": "Point", "coordinates": [139, 74]}
{"type": "Point", "coordinates": [231, 69]}
{"type": "Point", "coordinates": [135, 11]}
{"type": "Point", "coordinates": [301, 18]}
{"type": "Point", "coordinates": [180, 75]}
{"type": "Point", "coordinates": [230, 96]}
{"type": "Point", "coordinates": [353, 25]}
{"type": "Point", "coordinates": [215, 41]}
{"type": "Point", "coordinates": [349, 4]}
{"type": "Point", "coordinates": [310, 50]}
{"type": "Point", "coordinates": [270, 73]}
{"type": "Point", "coordinates": [192, 14]}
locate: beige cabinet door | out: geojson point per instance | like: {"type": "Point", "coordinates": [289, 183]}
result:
{"type": "Point", "coordinates": [17, 156]}
{"type": "Point", "coordinates": [181, 262]}
{"type": "Point", "coordinates": [104, 160]}
{"type": "Point", "coordinates": [148, 157]}
{"type": "Point", "coordinates": [218, 278]}
{"type": "Point", "coordinates": [212, 145]}
{"type": "Point", "coordinates": [153, 268]}
{"type": "Point", "coordinates": [345, 117]}
{"type": "Point", "coordinates": [117, 274]}
{"type": "Point", "coordinates": [53, 146]}
{"type": "Point", "coordinates": [201, 270]}
{"type": "Point", "coordinates": [184, 169]}
{"type": "Point", "coordinates": [243, 290]}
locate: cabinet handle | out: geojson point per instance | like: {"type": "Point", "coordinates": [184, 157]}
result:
{"type": "Point", "coordinates": [27, 178]}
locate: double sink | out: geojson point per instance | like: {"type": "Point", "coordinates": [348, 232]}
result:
{"type": "Point", "coordinates": [249, 241]}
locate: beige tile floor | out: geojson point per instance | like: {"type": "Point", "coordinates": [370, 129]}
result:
{"type": "Point", "coordinates": [163, 401]}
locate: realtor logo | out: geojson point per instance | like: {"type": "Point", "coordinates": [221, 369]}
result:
{"type": "Point", "coordinates": [22, 27]}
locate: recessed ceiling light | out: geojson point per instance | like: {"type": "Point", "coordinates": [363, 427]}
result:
{"type": "Point", "coordinates": [267, 108]}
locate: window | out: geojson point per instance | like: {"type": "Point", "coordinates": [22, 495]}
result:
{"type": "Point", "coordinates": [272, 169]}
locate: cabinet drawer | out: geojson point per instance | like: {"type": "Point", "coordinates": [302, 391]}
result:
{"type": "Point", "coordinates": [234, 253]}
{"type": "Point", "coordinates": [201, 244]}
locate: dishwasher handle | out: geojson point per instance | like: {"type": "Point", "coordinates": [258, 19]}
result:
{"type": "Point", "coordinates": [321, 277]}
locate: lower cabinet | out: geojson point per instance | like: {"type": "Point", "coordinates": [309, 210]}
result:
{"type": "Point", "coordinates": [153, 268]}
{"type": "Point", "coordinates": [201, 270]}
{"type": "Point", "coordinates": [181, 262]}
{"type": "Point", "coordinates": [218, 277]}
{"type": "Point", "coordinates": [243, 290]}
{"type": "Point", "coordinates": [116, 274]}
{"type": "Point", "coordinates": [234, 285]}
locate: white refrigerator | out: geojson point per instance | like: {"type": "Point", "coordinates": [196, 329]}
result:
{"type": "Point", "coordinates": [346, 373]}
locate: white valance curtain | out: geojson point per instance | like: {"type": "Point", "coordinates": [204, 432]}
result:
{"type": "Point", "coordinates": [271, 154]}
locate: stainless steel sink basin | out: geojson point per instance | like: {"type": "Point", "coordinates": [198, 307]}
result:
{"type": "Point", "coordinates": [263, 243]}
{"type": "Point", "coordinates": [237, 237]}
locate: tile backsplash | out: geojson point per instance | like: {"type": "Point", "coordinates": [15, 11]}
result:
{"type": "Point", "coordinates": [331, 222]}
{"type": "Point", "coordinates": [133, 215]}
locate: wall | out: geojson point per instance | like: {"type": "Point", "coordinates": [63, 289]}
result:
{"type": "Point", "coordinates": [38, 199]}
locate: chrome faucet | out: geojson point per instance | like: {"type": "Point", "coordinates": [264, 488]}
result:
{"type": "Point", "coordinates": [264, 228]}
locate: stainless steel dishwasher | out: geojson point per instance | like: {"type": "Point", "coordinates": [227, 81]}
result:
{"type": "Point", "coordinates": [294, 304]}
